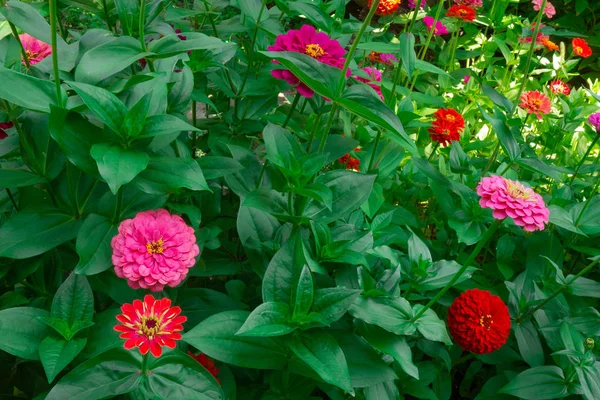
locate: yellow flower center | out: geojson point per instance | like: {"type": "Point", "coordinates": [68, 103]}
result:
{"type": "Point", "coordinates": [314, 50]}
{"type": "Point", "coordinates": [486, 321]}
{"type": "Point", "coordinates": [518, 191]}
{"type": "Point", "coordinates": [450, 118]}
{"type": "Point", "coordinates": [578, 49]}
{"type": "Point", "coordinates": [149, 326]}
{"type": "Point", "coordinates": [155, 247]}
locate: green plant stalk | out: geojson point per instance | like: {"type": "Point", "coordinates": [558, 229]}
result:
{"type": "Point", "coordinates": [557, 291]}
{"type": "Point", "coordinates": [529, 55]}
{"type": "Point", "coordinates": [251, 53]}
{"type": "Point", "coordinates": [195, 134]}
{"type": "Point", "coordinates": [12, 199]}
{"type": "Point", "coordinates": [488, 235]}
{"type": "Point", "coordinates": [118, 205]}
{"type": "Point", "coordinates": [327, 127]}
{"type": "Point", "coordinates": [455, 46]}
{"type": "Point", "coordinates": [414, 17]}
{"type": "Point", "coordinates": [492, 159]}
{"type": "Point", "coordinates": [588, 201]}
{"type": "Point", "coordinates": [145, 359]}
{"type": "Point", "coordinates": [375, 146]}
{"type": "Point", "coordinates": [589, 149]}
{"type": "Point", "coordinates": [436, 18]}
{"type": "Point", "coordinates": [435, 147]}
{"type": "Point", "coordinates": [53, 19]}
{"type": "Point", "coordinates": [294, 104]}
{"type": "Point", "coordinates": [313, 133]}
{"type": "Point", "coordinates": [13, 29]}
{"type": "Point", "coordinates": [142, 29]}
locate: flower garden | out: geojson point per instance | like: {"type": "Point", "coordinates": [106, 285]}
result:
{"type": "Point", "coordinates": [311, 199]}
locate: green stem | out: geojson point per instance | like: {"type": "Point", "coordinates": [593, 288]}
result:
{"type": "Point", "coordinates": [195, 134]}
{"type": "Point", "coordinates": [312, 133]}
{"type": "Point", "coordinates": [53, 19]}
{"type": "Point", "coordinates": [557, 291]}
{"type": "Point", "coordinates": [145, 359]}
{"type": "Point", "coordinates": [12, 199]}
{"type": "Point", "coordinates": [23, 52]}
{"type": "Point", "coordinates": [589, 149]}
{"type": "Point", "coordinates": [262, 173]}
{"type": "Point", "coordinates": [455, 45]}
{"type": "Point", "coordinates": [415, 14]}
{"type": "Point", "coordinates": [375, 146]}
{"type": "Point", "coordinates": [251, 54]}
{"type": "Point", "coordinates": [291, 203]}
{"type": "Point", "coordinates": [588, 201]}
{"type": "Point", "coordinates": [423, 50]}
{"type": "Point", "coordinates": [435, 147]}
{"type": "Point", "coordinates": [294, 104]}
{"type": "Point", "coordinates": [142, 29]}
{"type": "Point", "coordinates": [491, 161]}
{"type": "Point", "coordinates": [118, 205]}
{"type": "Point", "coordinates": [487, 236]}
{"type": "Point", "coordinates": [327, 127]}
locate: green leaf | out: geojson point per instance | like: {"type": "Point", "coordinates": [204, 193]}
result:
{"type": "Point", "coordinates": [59, 325]}
{"type": "Point", "coordinates": [393, 315]}
{"type": "Point", "coordinates": [200, 304]}
{"type": "Point", "coordinates": [364, 102]}
{"type": "Point", "coordinates": [175, 375]}
{"type": "Point", "coordinates": [407, 53]}
{"type": "Point", "coordinates": [137, 115]}
{"type": "Point", "coordinates": [503, 132]}
{"type": "Point", "coordinates": [163, 125]}
{"type": "Point", "coordinates": [322, 353]}
{"type": "Point", "coordinates": [561, 217]}
{"type": "Point", "coordinates": [216, 166]}
{"type": "Point", "coordinates": [109, 58]}
{"type": "Point", "coordinates": [431, 326]}
{"type": "Point", "coordinates": [105, 105]}
{"type": "Point", "coordinates": [74, 300]}
{"type": "Point", "coordinates": [268, 319]}
{"type": "Point", "coordinates": [583, 287]}
{"type": "Point", "coordinates": [304, 293]}
{"type": "Point", "coordinates": [589, 378]}
{"type": "Point", "coordinates": [22, 331]}
{"type": "Point", "coordinates": [332, 303]}
{"type": "Point", "coordinates": [117, 165]}
{"type": "Point", "coordinates": [529, 344]}
{"type": "Point", "coordinates": [167, 175]}
{"type": "Point", "coordinates": [93, 245]}
{"type": "Point", "coordinates": [349, 191]}
{"type": "Point", "coordinates": [497, 98]}
{"type": "Point", "coordinates": [28, 92]}
{"type": "Point", "coordinates": [540, 383]}
{"type": "Point", "coordinates": [428, 67]}
{"type": "Point", "coordinates": [215, 336]}
{"type": "Point", "coordinates": [441, 273]}
{"type": "Point", "coordinates": [33, 232]}
{"type": "Point", "coordinates": [40, 152]}
{"type": "Point", "coordinates": [281, 145]}
{"type": "Point", "coordinates": [14, 178]}
{"type": "Point", "coordinates": [110, 374]}
{"type": "Point", "coordinates": [56, 353]}
{"type": "Point", "coordinates": [283, 272]}
{"type": "Point", "coordinates": [171, 45]}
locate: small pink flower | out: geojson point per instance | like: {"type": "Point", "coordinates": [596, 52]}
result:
{"type": "Point", "coordinates": [511, 199]}
{"type": "Point", "coordinates": [35, 49]}
{"type": "Point", "coordinates": [388, 58]}
{"type": "Point", "coordinates": [412, 4]}
{"type": "Point", "coordinates": [3, 126]}
{"type": "Point", "coordinates": [440, 29]}
{"type": "Point", "coordinates": [154, 249]}
{"type": "Point", "coordinates": [594, 120]}
{"type": "Point", "coordinates": [549, 10]}
{"type": "Point", "coordinates": [375, 77]}
{"type": "Point", "coordinates": [317, 45]}
{"type": "Point", "coordinates": [466, 79]}
{"type": "Point", "coordinates": [470, 3]}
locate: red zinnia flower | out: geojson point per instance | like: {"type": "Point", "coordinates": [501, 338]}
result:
{"type": "Point", "coordinates": [150, 325]}
{"type": "Point", "coordinates": [386, 7]}
{"type": "Point", "coordinates": [479, 321]}
{"type": "Point", "coordinates": [207, 363]}
{"type": "Point", "coordinates": [447, 126]}
{"type": "Point", "coordinates": [535, 102]}
{"type": "Point", "coordinates": [3, 126]}
{"type": "Point", "coordinates": [463, 12]}
{"type": "Point", "coordinates": [559, 87]}
{"type": "Point", "coordinates": [350, 162]}
{"type": "Point", "coordinates": [581, 48]}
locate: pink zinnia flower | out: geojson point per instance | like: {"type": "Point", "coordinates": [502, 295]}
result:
{"type": "Point", "coordinates": [307, 40]}
{"type": "Point", "coordinates": [549, 10]}
{"type": "Point", "coordinates": [559, 87]}
{"type": "Point", "coordinates": [511, 199]}
{"type": "Point", "coordinates": [3, 126]}
{"type": "Point", "coordinates": [413, 3]}
{"type": "Point", "coordinates": [466, 79]}
{"type": "Point", "coordinates": [150, 325]}
{"type": "Point", "coordinates": [388, 58]}
{"type": "Point", "coordinates": [375, 77]}
{"type": "Point", "coordinates": [35, 49]}
{"type": "Point", "coordinates": [470, 3]}
{"type": "Point", "coordinates": [594, 120]}
{"type": "Point", "coordinates": [535, 102]}
{"type": "Point", "coordinates": [440, 29]}
{"type": "Point", "coordinates": [154, 249]}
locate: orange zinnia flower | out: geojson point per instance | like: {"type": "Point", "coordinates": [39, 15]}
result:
{"type": "Point", "coordinates": [535, 102]}
{"type": "Point", "coordinates": [550, 45]}
{"type": "Point", "coordinates": [463, 12]}
{"type": "Point", "coordinates": [386, 7]}
{"type": "Point", "coordinates": [581, 48]}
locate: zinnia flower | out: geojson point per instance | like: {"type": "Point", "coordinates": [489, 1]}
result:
{"type": "Point", "coordinates": [150, 325]}
{"type": "Point", "coordinates": [375, 77]}
{"type": "Point", "coordinates": [535, 102]}
{"type": "Point", "coordinates": [470, 3]}
{"type": "Point", "coordinates": [207, 363]}
{"type": "Point", "coordinates": [3, 126]}
{"type": "Point", "coordinates": [307, 40]}
{"type": "Point", "coordinates": [549, 44]}
{"type": "Point", "coordinates": [594, 120]}
{"type": "Point", "coordinates": [466, 79]}
{"type": "Point", "coordinates": [440, 29]}
{"type": "Point", "coordinates": [35, 49]}
{"type": "Point", "coordinates": [386, 7]}
{"type": "Point", "coordinates": [549, 10]}
{"type": "Point", "coordinates": [384, 58]}
{"type": "Point", "coordinates": [154, 249]}
{"type": "Point", "coordinates": [511, 199]}
{"type": "Point", "coordinates": [581, 48]}
{"type": "Point", "coordinates": [350, 162]}
{"type": "Point", "coordinates": [479, 321]}
{"type": "Point", "coordinates": [463, 12]}
{"type": "Point", "coordinates": [446, 126]}
{"type": "Point", "coordinates": [559, 87]}
{"type": "Point", "coordinates": [413, 4]}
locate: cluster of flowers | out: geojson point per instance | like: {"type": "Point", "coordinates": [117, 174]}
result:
{"type": "Point", "coordinates": [447, 126]}
{"type": "Point", "coordinates": [351, 162]}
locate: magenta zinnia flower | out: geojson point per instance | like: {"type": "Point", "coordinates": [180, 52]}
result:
{"type": "Point", "coordinates": [154, 249]}
{"type": "Point", "coordinates": [511, 199]}
{"type": "Point", "coordinates": [35, 49]}
{"type": "Point", "coordinates": [307, 40]}
{"type": "Point", "coordinates": [549, 10]}
{"type": "Point", "coordinates": [375, 77]}
{"type": "Point", "coordinates": [413, 3]}
{"type": "Point", "coordinates": [3, 126]}
{"type": "Point", "coordinates": [470, 3]}
{"type": "Point", "coordinates": [594, 120]}
{"type": "Point", "coordinates": [440, 29]}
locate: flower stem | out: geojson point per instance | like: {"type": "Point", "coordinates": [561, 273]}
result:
{"type": "Point", "coordinates": [487, 236]}
{"type": "Point", "coordinates": [294, 104]}
{"type": "Point", "coordinates": [415, 14]}
{"type": "Point", "coordinates": [375, 146]}
{"type": "Point", "coordinates": [312, 133]}
{"type": "Point", "coordinates": [435, 147]}
{"type": "Point", "coordinates": [455, 46]}
{"type": "Point", "coordinates": [423, 50]}
{"type": "Point", "coordinates": [588, 202]}
{"type": "Point", "coordinates": [323, 141]}
{"type": "Point", "coordinates": [145, 359]}
{"type": "Point", "coordinates": [23, 52]}
{"type": "Point", "coordinates": [12, 199]}
{"type": "Point", "coordinates": [589, 149]}
{"type": "Point", "coordinates": [195, 134]}
{"type": "Point", "coordinates": [53, 18]}
{"type": "Point", "coordinates": [251, 53]}
{"type": "Point", "coordinates": [557, 291]}
{"type": "Point", "coordinates": [491, 161]}
{"type": "Point", "coordinates": [142, 28]}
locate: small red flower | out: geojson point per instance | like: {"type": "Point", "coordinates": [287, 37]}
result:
{"type": "Point", "coordinates": [559, 87]}
{"type": "Point", "coordinates": [350, 162]}
{"type": "Point", "coordinates": [549, 44]}
{"type": "Point", "coordinates": [479, 321]}
{"type": "Point", "coordinates": [447, 126]}
{"type": "Point", "coordinates": [535, 102]}
{"type": "Point", "coordinates": [386, 7]}
{"type": "Point", "coordinates": [581, 48]}
{"type": "Point", "coordinates": [3, 126]}
{"type": "Point", "coordinates": [150, 325]}
{"type": "Point", "coordinates": [463, 12]}
{"type": "Point", "coordinates": [207, 363]}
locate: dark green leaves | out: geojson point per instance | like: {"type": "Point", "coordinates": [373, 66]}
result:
{"type": "Point", "coordinates": [93, 245]}
{"type": "Point", "coordinates": [28, 92]}
{"type": "Point", "coordinates": [393, 315]}
{"type": "Point", "coordinates": [74, 300]}
{"type": "Point", "coordinates": [268, 319]}
{"type": "Point", "coordinates": [118, 166]}
{"type": "Point", "coordinates": [167, 175]}
{"type": "Point", "coordinates": [56, 353]}
{"type": "Point", "coordinates": [538, 383]}
{"type": "Point", "coordinates": [304, 293]}
{"type": "Point", "coordinates": [22, 331]}
{"type": "Point", "coordinates": [407, 52]}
